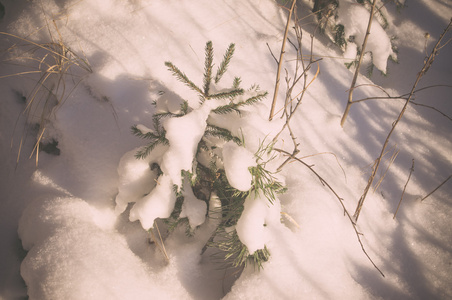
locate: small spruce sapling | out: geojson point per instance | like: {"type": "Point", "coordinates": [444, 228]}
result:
{"type": "Point", "coordinates": [186, 152]}
{"type": "Point", "coordinates": [344, 22]}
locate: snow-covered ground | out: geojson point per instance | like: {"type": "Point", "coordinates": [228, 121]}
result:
{"type": "Point", "coordinates": [63, 211]}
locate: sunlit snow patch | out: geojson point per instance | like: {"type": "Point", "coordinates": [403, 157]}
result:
{"type": "Point", "coordinates": [237, 161]}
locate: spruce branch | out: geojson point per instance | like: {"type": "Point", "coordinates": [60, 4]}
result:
{"type": "Point", "coordinates": [236, 83]}
{"type": "Point", "coordinates": [182, 77]}
{"type": "Point", "coordinates": [146, 150]}
{"type": "Point", "coordinates": [222, 133]}
{"type": "Point", "coordinates": [225, 95]}
{"type": "Point", "coordinates": [225, 63]}
{"type": "Point", "coordinates": [156, 139]}
{"type": "Point", "coordinates": [234, 107]}
{"type": "Point", "coordinates": [208, 65]}
{"type": "Point", "coordinates": [237, 254]}
{"type": "Point", "coordinates": [266, 183]}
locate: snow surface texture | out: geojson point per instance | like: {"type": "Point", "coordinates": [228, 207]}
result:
{"type": "Point", "coordinates": [79, 248]}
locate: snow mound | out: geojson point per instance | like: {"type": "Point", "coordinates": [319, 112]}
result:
{"type": "Point", "coordinates": [192, 208]}
{"type": "Point", "coordinates": [73, 256]}
{"type": "Point", "coordinates": [157, 204]}
{"type": "Point", "coordinates": [237, 161]}
{"type": "Point", "coordinates": [257, 216]}
{"type": "Point", "coordinates": [135, 179]}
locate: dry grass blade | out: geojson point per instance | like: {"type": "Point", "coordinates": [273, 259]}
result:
{"type": "Point", "coordinates": [160, 244]}
{"type": "Point", "coordinates": [52, 62]}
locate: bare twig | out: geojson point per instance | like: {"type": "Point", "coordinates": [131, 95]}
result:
{"type": "Point", "coordinates": [289, 107]}
{"type": "Point", "coordinates": [278, 74]}
{"type": "Point", "coordinates": [404, 96]}
{"type": "Point", "coordinates": [404, 188]}
{"type": "Point", "coordinates": [433, 108]}
{"type": "Point", "coordinates": [355, 77]}
{"type": "Point", "coordinates": [437, 188]}
{"type": "Point", "coordinates": [428, 62]}
{"type": "Point", "coordinates": [331, 153]}
{"type": "Point", "coordinates": [271, 52]}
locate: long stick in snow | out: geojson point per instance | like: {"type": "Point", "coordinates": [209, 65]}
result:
{"type": "Point", "coordinates": [278, 74]}
{"type": "Point", "coordinates": [355, 77]}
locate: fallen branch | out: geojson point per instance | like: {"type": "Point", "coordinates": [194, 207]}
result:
{"type": "Point", "coordinates": [325, 183]}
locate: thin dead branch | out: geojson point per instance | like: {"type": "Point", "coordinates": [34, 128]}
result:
{"type": "Point", "coordinates": [404, 188]}
{"type": "Point", "coordinates": [281, 55]}
{"type": "Point", "coordinates": [391, 161]}
{"type": "Point", "coordinates": [405, 97]}
{"type": "Point", "coordinates": [436, 188]}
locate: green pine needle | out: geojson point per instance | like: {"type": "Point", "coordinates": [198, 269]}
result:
{"type": "Point", "coordinates": [235, 107]}
{"type": "Point", "coordinates": [208, 67]}
{"type": "Point", "coordinates": [236, 83]}
{"type": "Point", "coordinates": [225, 95]}
{"type": "Point", "coordinates": [182, 77]}
{"type": "Point", "coordinates": [222, 133]}
{"type": "Point", "coordinates": [225, 63]}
